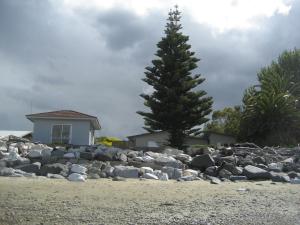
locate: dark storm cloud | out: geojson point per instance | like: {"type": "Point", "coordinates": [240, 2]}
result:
{"type": "Point", "coordinates": [93, 61]}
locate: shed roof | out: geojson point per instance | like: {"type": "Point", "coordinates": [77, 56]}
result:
{"type": "Point", "coordinates": [65, 114]}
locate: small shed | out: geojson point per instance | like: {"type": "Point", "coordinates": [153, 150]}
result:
{"type": "Point", "coordinates": [21, 134]}
{"type": "Point", "coordinates": [64, 127]}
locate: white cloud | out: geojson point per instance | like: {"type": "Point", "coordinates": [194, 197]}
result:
{"type": "Point", "coordinates": [221, 15]}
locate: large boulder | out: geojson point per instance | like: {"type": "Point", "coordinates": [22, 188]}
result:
{"type": "Point", "coordinates": [202, 161]}
{"type": "Point", "coordinates": [76, 177]}
{"type": "Point", "coordinates": [183, 158]}
{"type": "Point", "coordinates": [87, 155]}
{"type": "Point", "coordinates": [75, 168]}
{"type": "Point", "coordinates": [275, 167]}
{"type": "Point", "coordinates": [252, 172]}
{"type": "Point", "coordinates": [168, 161]}
{"type": "Point", "coordinates": [279, 177]}
{"type": "Point", "coordinates": [211, 171]}
{"type": "Point", "coordinates": [59, 153]}
{"type": "Point", "coordinates": [55, 168]}
{"type": "Point", "coordinates": [145, 170]}
{"type": "Point", "coordinates": [30, 168]}
{"type": "Point", "coordinates": [126, 171]}
{"type": "Point", "coordinates": [4, 171]}
{"type": "Point", "coordinates": [150, 176]}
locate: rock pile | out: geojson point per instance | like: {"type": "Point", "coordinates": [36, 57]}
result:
{"type": "Point", "coordinates": [21, 158]}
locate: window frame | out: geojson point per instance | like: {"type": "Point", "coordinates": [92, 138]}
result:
{"type": "Point", "coordinates": [62, 124]}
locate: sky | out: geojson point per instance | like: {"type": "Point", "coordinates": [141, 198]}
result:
{"type": "Point", "coordinates": [90, 56]}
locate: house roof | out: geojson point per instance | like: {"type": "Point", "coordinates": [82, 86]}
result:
{"type": "Point", "coordinates": [65, 114]}
{"type": "Point", "coordinates": [5, 133]}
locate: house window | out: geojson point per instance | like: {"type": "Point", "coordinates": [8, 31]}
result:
{"type": "Point", "coordinates": [61, 134]}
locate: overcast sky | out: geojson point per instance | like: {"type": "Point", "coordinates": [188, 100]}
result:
{"type": "Point", "coordinates": [90, 56]}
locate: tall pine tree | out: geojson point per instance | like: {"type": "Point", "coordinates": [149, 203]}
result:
{"type": "Point", "coordinates": [175, 105]}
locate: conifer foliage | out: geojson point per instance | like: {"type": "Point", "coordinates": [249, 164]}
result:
{"type": "Point", "coordinates": [176, 104]}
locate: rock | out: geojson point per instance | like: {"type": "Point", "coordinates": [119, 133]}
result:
{"type": "Point", "coordinates": [252, 172]}
{"type": "Point", "coordinates": [119, 179]}
{"type": "Point", "coordinates": [87, 155]}
{"type": "Point", "coordinates": [132, 154]}
{"type": "Point", "coordinates": [109, 170]}
{"type": "Point", "coordinates": [106, 154]}
{"type": "Point", "coordinates": [5, 171]}
{"type": "Point", "coordinates": [35, 154]}
{"type": "Point", "coordinates": [177, 173]}
{"type": "Point", "coordinates": [279, 177]}
{"type": "Point", "coordinates": [58, 153]}
{"type": "Point", "coordinates": [187, 178]}
{"type": "Point", "coordinates": [223, 173]}
{"type": "Point", "coordinates": [295, 181]}
{"type": "Point", "coordinates": [183, 158]}
{"type": "Point", "coordinates": [259, 160]}
{"type": "Point", "coordinates": [94, 176]}
{"type": "Point", "coordinates": [190, 172]}
{"type": "Point", "coordinates": [121, 157]}
{"type": "Point", "coordinates": [55, 168]}
{"type": "Point", "coordinates": [202, 161]}
{"type": "Point", "coordinates": [215, 180]}
{"type": "Point", "coordinates": [146, 170]}
{"type": "Point", "coordinates": [236, 178]}
{"type": "Point", "coordinates": [126, 171]}
{"type": "Point", "coordinates": [150, 176]}
{"type": "Point", "coordinates": [75, 168]}
{"type": "Point", "coordinates": [172, 151]}
{"type": "Point", "coordinates": [76, 177]}
{"type": "Point", "coordinates": [30, 168]}
{"type": "Point", "coordinates": [168, 161]}
{"type": "Point", "coordinates": [69, 155]}
{"type": "Point", "coordinates": [211, 171]}
{"type": "Point", "coordinates": [55, 176]}
{"type": "Point", "coordinates": [275, 167]}
{"type": "Point", "coordinates": [163, 177]}
{"type": "Point", "coordinates": [227, 159]}
{"type": "Point", "coordinates": [103, 175]}
{"type": "Point", "coordinates": [293, 174]}
{"type": "Point", "coordinates": [2, 163]}
{"type": "Point", "coordinates": [245, 161]}
{"type": "Point", "coordinates": [232, 168]}
{"type": "Point", "coordinates": [168, 170]}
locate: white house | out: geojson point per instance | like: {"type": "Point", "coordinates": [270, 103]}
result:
{"type": "Point", "coordinates": [64, 127]}
{"type": "Point", "coordinates": [160, 139]}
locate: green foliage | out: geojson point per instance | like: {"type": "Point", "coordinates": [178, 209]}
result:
{"type": "Point", "coordinates": [270, 112]}
{"type": "Point", "coordinates": [226, 121]}
{"type": "Point", "coordinates": [175, 105]}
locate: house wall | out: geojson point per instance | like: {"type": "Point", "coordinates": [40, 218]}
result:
{"type": "Point", "coordinates": [161, 139]}
{"type": "Point", "coordinates": [214, 139]}
{"type": "Point", "coordinates": [80, 134]}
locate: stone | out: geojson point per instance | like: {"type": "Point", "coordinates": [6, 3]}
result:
{"type": "Point", "coordinates": [275, 167]}
{"type": "Point", "coordinates": [252, 172]}
{"type": "Point", "coordinates": [237, 178]}
{"type": "Point", "coordinates": [126, 171]}
{"type": "Point", "coordinates": [30, 168]}
{"type": "Point", "coordinates": [211, 171]}
{"type": "Point", "coordinates": [223, 173]}
{"type": "Point", "coordinates": [187, 178]}
{"type": "Point", "coordinates": [121, 156]}
{"type": "Point", "coordinates": [232, 168]}
{"type": "Point", "coordinates": [279, 177]}
{"type": "Point", "coordinates": [190, 172]}
{"type": "Point", "coordinates": [215, 180]}
{"type": "Point", "coordinates": [172, 151]}
{"type": "Point", "coordinates": [5, 171]}
{"type": "Point", "coordinates": [93, 176]}
{"type": "Point", "coordinates": [295, 181]}
{"type": "Point", "coordinates": [103, 175]}
{"type": "Point", "coordinates": [58, 153]}
{"type": "Point", "coordinates": [202, 161]}
{"type": "Point", "coordinates": [55, 168]}
{"type": "Point", "coordinates": [75, 168]}
{"type": "Point", "coordinates": [168, 161]}
{"type": "Point", "coordinates": [150, 176]}
{"type": "Point", "coordinates": [177, 173]}
{"type": "Point", "coordinates": [163, 176]}
{"type": "Point", "coordinates": [76, 177]}
{"type": "Point", "coordinates": [35, 154]}
{"type": "Point", "coordinates": [146, 170]}
{"type": "Point", "coordinates": [109, 170]}
{"type": "Point", "coordinates": [106, 154]}
{"type": "Point", "coordinates": [55, 176]}
{"type": "Point", "coordinates": [293, 174]}
{"type": "Point", "coordinates": [168, 170]}
{"type": "Point", "coordinates": [259, 160]}
{"type": "Point", "coordinates": [2, 163]}
{"type": "Point", "coordinates": [87, 155]}
{"type": "Point", "coordinates": [183, 158]}
{"type": "Point", "coordinates": [69, 155]}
